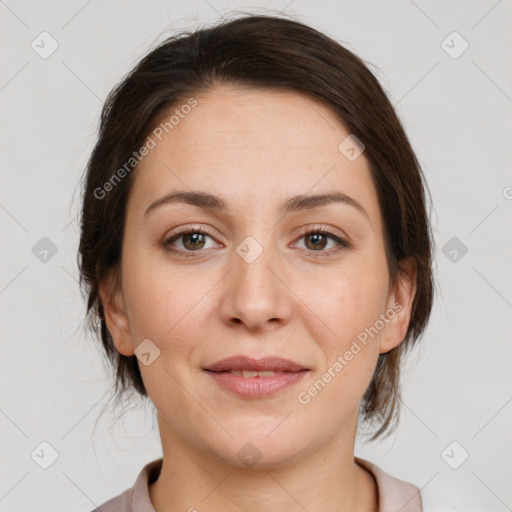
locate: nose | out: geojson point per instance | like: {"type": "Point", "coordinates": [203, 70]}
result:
{"type": "Point", "coordinates": [255, 293]}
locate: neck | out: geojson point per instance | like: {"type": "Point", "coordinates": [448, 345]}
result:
{"type": "Point", "coordinates": [328, 479]}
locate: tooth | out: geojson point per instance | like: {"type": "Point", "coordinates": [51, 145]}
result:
{"type": "Point", "coordinates": [252, 373]}
{"type": "Point", "coordinates": [249, 373]}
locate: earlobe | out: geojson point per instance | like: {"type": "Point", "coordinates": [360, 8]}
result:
{"type": "Point", "coordinates": [112, 299]}
{"type": "Point", "coordinates": [400, 306]}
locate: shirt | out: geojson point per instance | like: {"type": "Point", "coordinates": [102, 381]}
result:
{"type": "Point", "coordinates": [394, 495]}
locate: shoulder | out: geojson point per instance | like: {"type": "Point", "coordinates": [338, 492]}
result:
{"type": "Point", "coordinates": [136, 498]}
{"type": "Point", "coordinates": [396, 494]}
{"type": "Point", "coordinates": [118, 503]}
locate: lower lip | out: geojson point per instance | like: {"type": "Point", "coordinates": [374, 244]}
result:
{"type": "Point", "coordinates": [256, 387]}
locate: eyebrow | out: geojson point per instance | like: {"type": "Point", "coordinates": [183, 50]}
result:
{"type": "Point", "coordinates": [296, 203]}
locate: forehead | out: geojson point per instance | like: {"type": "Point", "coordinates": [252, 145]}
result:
{"type": "Point", "coordinates": [253, 147]}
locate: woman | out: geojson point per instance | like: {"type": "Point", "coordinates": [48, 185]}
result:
{"type": "Point", "coordinates": [257, 257]}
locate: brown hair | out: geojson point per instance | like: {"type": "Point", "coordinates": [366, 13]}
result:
{"type": "Point", "coordinates": [258, 51]}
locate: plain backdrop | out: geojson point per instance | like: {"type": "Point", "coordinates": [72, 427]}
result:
{"type": "Point", "coordinates": [456, 105]}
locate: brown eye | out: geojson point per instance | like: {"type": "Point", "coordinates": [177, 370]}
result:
{"type": "Point", "coordinates": [317, 241]}
{"type": "Point", "coordinates": [191, 241]}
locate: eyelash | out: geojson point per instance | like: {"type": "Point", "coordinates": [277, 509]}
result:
{"type": "Point", "coordinates": [342, 244]}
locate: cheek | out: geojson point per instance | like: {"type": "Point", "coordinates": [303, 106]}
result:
{"type": "Point", "coordinates": [160, 297]}
{"type": "Point", "coordinates": [350, 347]}
{"type": "Point", "coordinates": [351, 306]}
{"type": "Point", "coordinates": [352, 303]}
{"type": "Point", "coordinates": [166, 304]}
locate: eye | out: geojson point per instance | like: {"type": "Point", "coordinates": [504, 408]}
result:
{"type": "Point", "coordinates": [193, 240]}
{"type": "Point", "coordinates": [317, 239]}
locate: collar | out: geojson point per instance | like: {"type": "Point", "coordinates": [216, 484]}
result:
{"type": "Point", "coordinates": [394, 495]}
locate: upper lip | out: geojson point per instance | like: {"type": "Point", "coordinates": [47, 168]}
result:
{"type": "Point", "coordinates": [248, 363]}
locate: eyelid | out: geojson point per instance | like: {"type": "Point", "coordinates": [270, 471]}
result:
{"type": "Point", "coordinates": [194, 228]}
{"type": "Point", "coordinates": [328, 230]}
{"type": "Point", "coordinates": [181, 232]}
{"type": "Point", "coordinates": [343, 241]}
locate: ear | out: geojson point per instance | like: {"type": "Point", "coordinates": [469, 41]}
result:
{"type": "Point", "coordinates": [399, 305]}
{"type": "Point", "coordinates": [111, 294]}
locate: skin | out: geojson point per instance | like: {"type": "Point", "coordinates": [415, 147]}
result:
{"type": "Point", "coordinates": [256, 148]}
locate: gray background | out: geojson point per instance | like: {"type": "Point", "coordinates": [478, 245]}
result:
{"type": "Point", "coordinates": [457, 112]}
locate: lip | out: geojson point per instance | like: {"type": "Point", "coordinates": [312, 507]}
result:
{"type": "Point", "coordinates": [271, 363]}
{"type": "Point", "coordinates": [256, 387]}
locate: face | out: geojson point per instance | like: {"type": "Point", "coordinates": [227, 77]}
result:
{"type": "Point", "coordinates": [252, 282]}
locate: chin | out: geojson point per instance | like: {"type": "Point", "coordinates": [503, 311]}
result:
{"type": "Point", "coordinates": [257, 450]}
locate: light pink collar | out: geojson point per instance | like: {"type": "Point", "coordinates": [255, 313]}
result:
{"type": "Point", "coordinates": [394, 495]}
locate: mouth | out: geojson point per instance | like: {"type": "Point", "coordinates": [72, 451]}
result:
{"type": "Point", "coordinates": [251, 373]}
{"type": "Point", "coordinates": [255, 378]}
{"type": "Point", "coordinates": [261, 366]}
